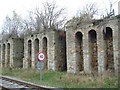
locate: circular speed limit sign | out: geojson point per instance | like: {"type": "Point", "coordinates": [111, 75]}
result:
{"type": "Point", "coordinates": [41, 56]}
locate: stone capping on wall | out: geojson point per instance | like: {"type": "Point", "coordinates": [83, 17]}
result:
{"type": "Point", "coordinates": [6, 39]}
{"type": "Point", "coordinates": [99, 22]}
{"type": "Point", "coordinates": [32, 34]}
{"type": "Point", "coordinates": [38, 32]}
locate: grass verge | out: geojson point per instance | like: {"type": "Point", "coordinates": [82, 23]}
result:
{"type": "Point", "coordinates": [64, 79]}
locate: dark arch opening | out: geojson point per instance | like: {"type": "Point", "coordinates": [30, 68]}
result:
{"type": "Point", "coordinates": [36, 48]}
{"type": "Point", "coordinates": [3, 55]}
{"type": "Point", "coordinates": [29, 54]}
{"type": "Point", "coordinates": [8, 55]}
{"type": "Point", "coordinates": [79, 50]}
{"type": "Point", "coordinates": [64, 56]}
{"type": "Point", "coordinates": [93, 50]}
{"type": "Point", "coordinates": [108, 37]}
{"type": "Point", "coordinates": [61, 52]}
{"type": "Point", "coordinates": [45, 50]}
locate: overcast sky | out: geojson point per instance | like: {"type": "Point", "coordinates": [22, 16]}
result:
{"type": "Point", "coordinates": [22, 6]}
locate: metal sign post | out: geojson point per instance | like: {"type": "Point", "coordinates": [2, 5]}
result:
{"type": "Point", "coordinates": [40, 66]}
{"type": "Point", "coordinates": [40, 74]}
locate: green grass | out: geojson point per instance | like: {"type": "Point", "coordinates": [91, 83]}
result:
{"type": "Point", "coordinates": [63, 79]}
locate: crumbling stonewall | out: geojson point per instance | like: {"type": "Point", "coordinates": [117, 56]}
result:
{"type": "Point", "coordinates": [92, 47]}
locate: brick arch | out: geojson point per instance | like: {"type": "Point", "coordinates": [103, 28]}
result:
{"type": "Point", "coordinates": [92, 38]}
{"type": "Point", "coordinates": [79, 51]}
{"type": "Point", "coordinates": [108, 39]}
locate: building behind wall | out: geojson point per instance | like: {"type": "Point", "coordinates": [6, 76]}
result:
{"type": "Point", "coordinates": [11, 52]}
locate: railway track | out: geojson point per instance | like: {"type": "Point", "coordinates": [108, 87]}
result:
{"type": "Point", "coordinates": [8, 83]}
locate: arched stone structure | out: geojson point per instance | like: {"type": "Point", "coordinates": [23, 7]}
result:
{"type": "Point", "coordinates": [12, 52]}
{"type": "Point", "coordinates": [100, 48]}
{"type": "Point", "coordinates": [52, 44]}
{"type": "Point", "coordinates": [94, 46]}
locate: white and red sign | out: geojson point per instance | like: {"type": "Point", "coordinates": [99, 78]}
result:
{"type": "Point", "coordinates": [41, 56]}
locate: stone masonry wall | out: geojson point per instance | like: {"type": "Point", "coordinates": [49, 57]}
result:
{"type": "Point", "coordinates": [11, 49]}
{"type": "Point", "coordinates": [18, 52]}
{"type": "Point", "coordinates": [55, 60]}
{"type": "Point", "coordinates": [93, 47]}
{"type": "Point", "coordinates": [102, 53]}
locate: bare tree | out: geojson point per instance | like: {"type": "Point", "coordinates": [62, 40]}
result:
{"type": "Point", "coordinates": [85, 15]}
{"type": "Point", "coordinates": [88, 11]}
{"type": "Point", "coordinates": [49, 17]}
{"type": "Point", "coordinates": [110, 12]}
{"type": "Point", "coordinates": [29, 24]}
{"type": "Point", "coordinates": [0, 36]}
{"type": "Point", "coordinates": [7, 25]}
{"type": "Point", "coordinates": [12, 26]}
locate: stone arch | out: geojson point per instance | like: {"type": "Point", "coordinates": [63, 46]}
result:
{"type": "Point", "coordinates": [45, 50]}
{"type": "Point", "coordinates": [29, 53]}
{"type": "Point", "coordinates": [8, 54]}
{"type": "Point", "coordinates": [79, 51]}
{"type": "Point", "coordinates": [36, 49]}
{"type": "Point", "coordinates": [93, 50]}
{"type": "Point", "coordinates": [3, 55]}
{"type": "Point", "coordinates": [108, 38]}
